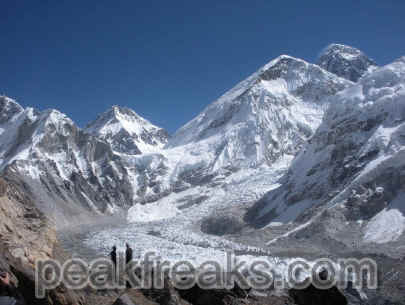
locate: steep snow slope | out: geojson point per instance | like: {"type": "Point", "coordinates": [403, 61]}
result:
{"type": "Point", "coordinates": [127, 132]}
{"type": "Point", "coordinates": [263, 118]}
{"type": "Point", "coordinates": [355, 162]}
{"type": "Point", "coordinates": [345, 61]}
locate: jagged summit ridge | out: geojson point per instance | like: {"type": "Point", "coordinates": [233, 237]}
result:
{"type": "Point", "coordinates": [345, 61]}
{"type": "Point", "coordinates": [127, 132]}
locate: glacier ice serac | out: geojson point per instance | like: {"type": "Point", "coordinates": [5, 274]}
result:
{"type": "Point", "coordinates": [294, 144]}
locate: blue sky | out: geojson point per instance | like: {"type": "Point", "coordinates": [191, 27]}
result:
{"type": "Point", "coordinates": [167, 60]}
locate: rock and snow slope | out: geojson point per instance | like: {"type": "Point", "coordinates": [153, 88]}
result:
{"type": "Point", "coordinates": [345, 61]}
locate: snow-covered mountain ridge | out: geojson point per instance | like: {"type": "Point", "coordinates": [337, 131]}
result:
{"type": "Point", "coordinates": [266, 116]}
{"type": "Point", "coordinates": [121, 159]}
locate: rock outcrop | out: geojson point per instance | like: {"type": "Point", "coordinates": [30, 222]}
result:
{"type": "Point", "coordinates": [27, 236]}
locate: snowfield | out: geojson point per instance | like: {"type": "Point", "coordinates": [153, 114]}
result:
{"type": "Point", "coordinates": [389, 224]}
{"type": "Point", "coordinates": [386, 226]}
{"type": "Point", "coordinates": [152, 212]}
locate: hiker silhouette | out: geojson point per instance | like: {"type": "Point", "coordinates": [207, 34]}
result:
{"type": "Point", "coordinates": [113, 255]}
{"type": "Point", "coordinates": [128, 254]}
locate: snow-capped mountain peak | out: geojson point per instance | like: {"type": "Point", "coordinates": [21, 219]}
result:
{"type": "Point", "coordinates": [264, 117]}
{"type": "Point", "coordinates": [123, 116]}
{"type": "Point", "coordinates": [246, 84]}
{"type": "Point", "coordinates": [54, 117]}
{"type": "Point", "coordinates": [8, 109]}
{"type": "Point", "coordinates": [127, 132]}
{"type": "Point", "coordinates": [345, 61]}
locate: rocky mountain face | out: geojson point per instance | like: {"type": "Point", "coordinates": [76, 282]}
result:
{"type": "Point", "coordinates": [355, 159]}
{"type": "Point", "coordinates": [346, 62]}
{"type": "Point", "coordinates": [127, 132]}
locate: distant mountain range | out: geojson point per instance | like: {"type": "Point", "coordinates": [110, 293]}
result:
{"type": "Point", "coordinates": [334, 128]}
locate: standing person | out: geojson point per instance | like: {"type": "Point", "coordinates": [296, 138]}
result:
{"type": "Point", "coordinates": [128, 254]}
{"type": "Point", "coordinates": [9, 295]}
{"type": "Point", "coordinates": [128, 259]}
{"type": "Point", "coordinates": [113, 255]}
